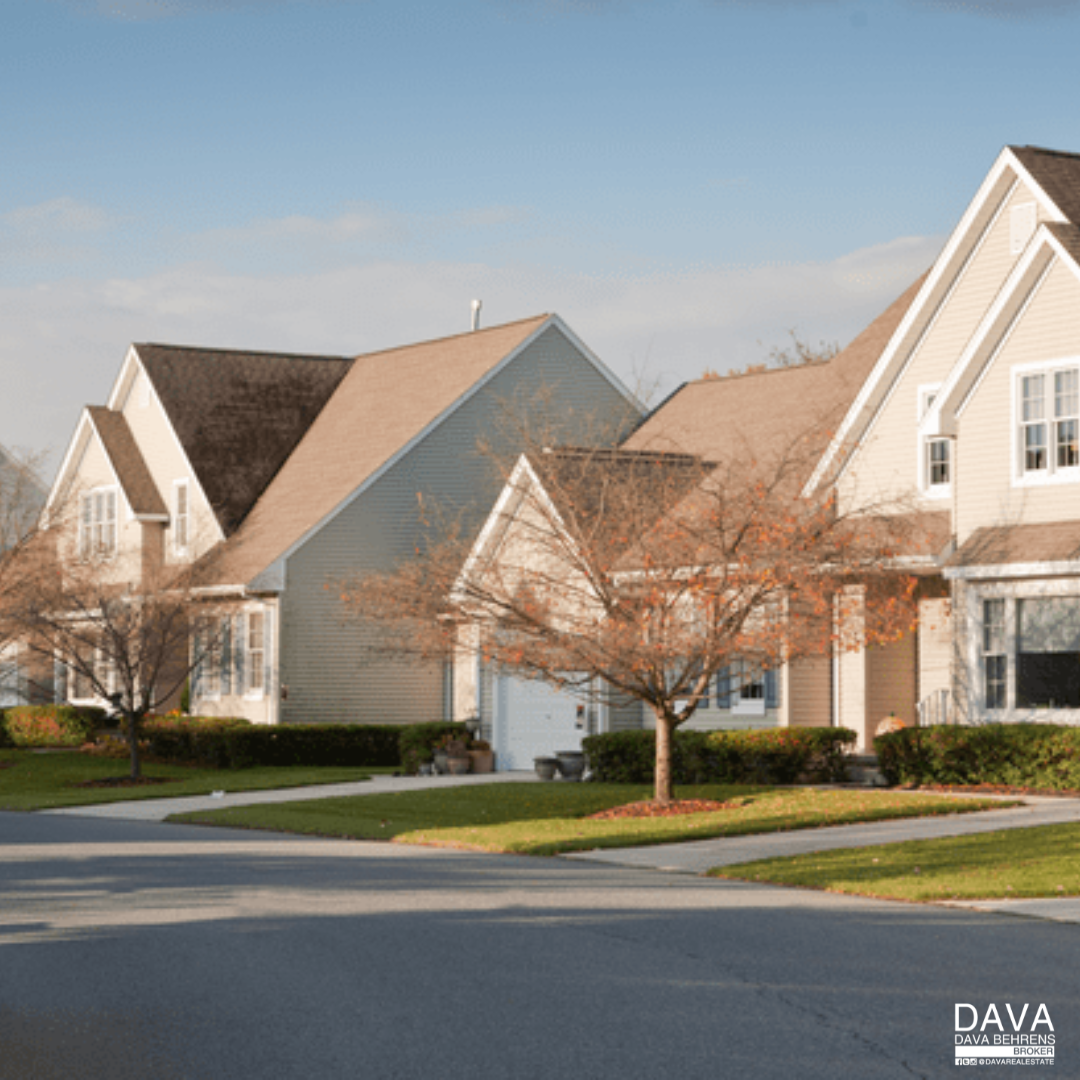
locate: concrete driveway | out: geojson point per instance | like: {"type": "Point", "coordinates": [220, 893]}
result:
{"type": "Point", "coordinates": [140, 950]}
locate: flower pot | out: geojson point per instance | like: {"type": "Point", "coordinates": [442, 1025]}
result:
{"type": "Point", "coordinates": [440, 759]}
{"type": "Point", "coordinates": [571, 764]}
{"type": "Point", "coordinates": [483, 761]}
{"type": "Point", "coordinates": [458, 766]}
{"type": "Point", "coordinates": [545, 767]}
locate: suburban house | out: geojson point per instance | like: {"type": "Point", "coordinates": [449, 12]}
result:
{"type": "Point", "coordinates": [975, 405]}
{"type": "Point", "coordinates": [961, 402]}
{"type": "Point", "coordinates": [278, 476]}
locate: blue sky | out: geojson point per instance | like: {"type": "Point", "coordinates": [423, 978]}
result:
{"type": "Point", "coordinates": [682, 181]}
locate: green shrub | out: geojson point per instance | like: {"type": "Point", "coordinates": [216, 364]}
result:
{"type": "Point", "coordinates": [416, 742]}
{"type": "Point", "coordinates": [5, 738]}
{"type": "Point", "coordinates": [766, 756]}
{"type": "Point", "coordinates": [51, 725]}
{"type": "Point", "coordinates": [227, 743]}
{"type": "Point", "coordinates": [1024, 755]}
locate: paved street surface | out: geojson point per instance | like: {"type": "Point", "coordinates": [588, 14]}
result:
{"type": "Point", "coordinates": [139, 950]}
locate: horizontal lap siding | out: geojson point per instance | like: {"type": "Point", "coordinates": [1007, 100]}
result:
{"type": "Point", "coordinates": [154, 436]}
{"type": "Point", "coordinates": [1049, 330]}
{"type": "Point", "coordinates": [323, 656]}
{"type": "Point", "coordinates": [810, 692]}
{"type": "Point", "coordinates": [888, 461]}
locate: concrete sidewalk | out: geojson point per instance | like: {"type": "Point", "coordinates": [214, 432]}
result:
{"type": "Point", "coordinates": [160, 809]}
{"type": "Point", "coordinates": [699, 856]}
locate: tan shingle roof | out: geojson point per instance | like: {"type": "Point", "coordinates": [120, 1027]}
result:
{"type": "Point", "coordinates": [386, 400]}
{"type": "Point", "coordinates": [720, 419]}
{"type": "Point", "coordinates": [139, 487]}
{"type": "Point", "coordinates": [997, 545]}
{"type": "Point", "coordinates": [238, 415]}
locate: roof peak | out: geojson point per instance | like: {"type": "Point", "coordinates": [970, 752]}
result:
{"type": "Point", "coordinates": [1048, 150]}
{"type": "Point", "coordinates": [455, 337]}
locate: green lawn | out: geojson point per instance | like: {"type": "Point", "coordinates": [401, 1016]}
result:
{"type": "Point", "coordinates": [545, 819]}
{"type": "Point", "coordinates": [1013, 863]}
{"type": "Point", "coordinates": [39, 781]}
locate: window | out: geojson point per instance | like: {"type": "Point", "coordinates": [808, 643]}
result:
{"type": "Point", "coordinates": [746, 689]}
{"type": "Point", "coordinates": [254, 679]}
{"type": "Point", "coordinates": [1048, 652]}
{"type": "Point", "coordinates": [994, 650]}
{"type": "Point", "coordinates": [937, 463]}
{"type": "Point", "coordinates": [1049, 423]}
{"type": "Point", "coordinates": [181, 516]}
{"type": "Point", "coordinates": [97, 523]}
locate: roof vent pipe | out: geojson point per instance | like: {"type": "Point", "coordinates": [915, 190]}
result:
{"type": "Point", "coordinates": [476, 306]}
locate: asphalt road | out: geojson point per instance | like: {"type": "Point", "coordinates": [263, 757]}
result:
{"type": "Point", "coordinates": [154, 952]}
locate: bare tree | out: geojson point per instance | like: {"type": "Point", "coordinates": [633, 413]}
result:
{"type": "Point", "coordinates": [112, 626]}
{"type": "Point", "coordinates": [651, 572]}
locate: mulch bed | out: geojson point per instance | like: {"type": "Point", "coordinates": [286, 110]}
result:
{"type": "Point", "coordinates": [651, 809]}
{"type": "Point", "coordinates": [995, 789]}
{"type": "Point", "coordinates": [125, 781]}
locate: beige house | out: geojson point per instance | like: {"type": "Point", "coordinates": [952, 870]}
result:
{"type": "Point", "coordinates": [277, 475]}
{"type": "Point", "coordinates": [973, 406]}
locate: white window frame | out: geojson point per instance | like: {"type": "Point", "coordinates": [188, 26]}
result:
{"type": "Point", "coordinates": [1051, 421]}
{"type": "Point", "coordinates": [181, 518]}
{"type": "Point", "coordinates": [99, 530]}
{"type": "Point", "coordinates": [927, 392]}
{"type": "Point", "coordinates": [748, 697]}
{"type": "Point", "coordinates": [252, 689]}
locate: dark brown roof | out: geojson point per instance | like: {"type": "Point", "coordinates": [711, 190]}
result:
{"type": "Point", "coordinates": [1057, 173]}
{"type": "Point", "coordinates": [998, 545]}
{"type": "Point", "coordinates": [239, 415]}
{"type": "Point", "coordinates": [1068, 236]}
{"type": "Point", "coordinates": [386, 400]}
{"type": "Point", "coordinates": [139, 487]}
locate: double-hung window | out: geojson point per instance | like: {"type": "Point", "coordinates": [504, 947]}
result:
{"type": "Point", "coordinates": [994, 654]}
{"type": "Point", "coordinates": [254, 678]}
{"type": "Point", "coordinates": [936, 451]}
{"type": "Point", "coordinates": [97, 523]}
{"type": "Point", "coordinates": [1048, 411]}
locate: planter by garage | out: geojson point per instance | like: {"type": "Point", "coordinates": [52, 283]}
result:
{"type": "Point", "coordinates": [546, 767]}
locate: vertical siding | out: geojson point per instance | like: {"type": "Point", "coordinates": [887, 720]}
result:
{"type": "Point", "coordinates": [888, 460]}
{"type": "Point", "coordinates": [330, 674]}
{"type": "Point", "coordinates": [1047, 331]}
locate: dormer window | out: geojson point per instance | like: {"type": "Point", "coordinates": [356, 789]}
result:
{"type": "Point", "coordinates": [97, 523]}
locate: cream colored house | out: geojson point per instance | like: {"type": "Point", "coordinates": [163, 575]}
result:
{"type": "Point", "coordinates": [276, 475]}
{"type": "Point", "coordinates": [974, 405]}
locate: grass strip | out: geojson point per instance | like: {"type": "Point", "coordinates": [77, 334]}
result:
{"type": "Point", "coordinates": [548, 819]}
{"type": "Point", "coordinates": [1042, 861]}
{"type": "Point", "coordinates": [32, 780]}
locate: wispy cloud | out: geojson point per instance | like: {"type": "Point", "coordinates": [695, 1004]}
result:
{"type": "Point", "coordinates": [60, 230]}
{"type": "Point", "coordinates": [62, 342]}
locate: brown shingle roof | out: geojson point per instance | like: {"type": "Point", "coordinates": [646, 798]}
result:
{"type": "Point", "coordinates": [139, 487]}
{"type": "Point", "coordinates": [761, 412]}
{"type": "Point", "coordinates": [386, 400]}
{"type": "Point", "coordinates": [238, 415]}
{"type": "Point", "coordinates": [1057, 173]}
{"type": "Point", "coordinates": [997, 545]}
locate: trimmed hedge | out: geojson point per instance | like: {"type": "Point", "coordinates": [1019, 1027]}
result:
{"type": "Point", "coordinates": [50, 725]}
{"type": "Point", "coordinates": [416, 742]}
{"type": "Point", "coordinates": [1025, 755]}
{"type": "Point", "coordinates": [231, 744]}
{"type": "Point", "coordinates": [765, 756]}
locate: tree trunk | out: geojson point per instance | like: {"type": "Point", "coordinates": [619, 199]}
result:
{"type": "Point", "coordinates": [665, 726]}
{"type": "Point", "coordinates": [133, 745]}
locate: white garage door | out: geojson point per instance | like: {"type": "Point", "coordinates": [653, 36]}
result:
{"type": "Point", "coordinates": [533, 719]}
